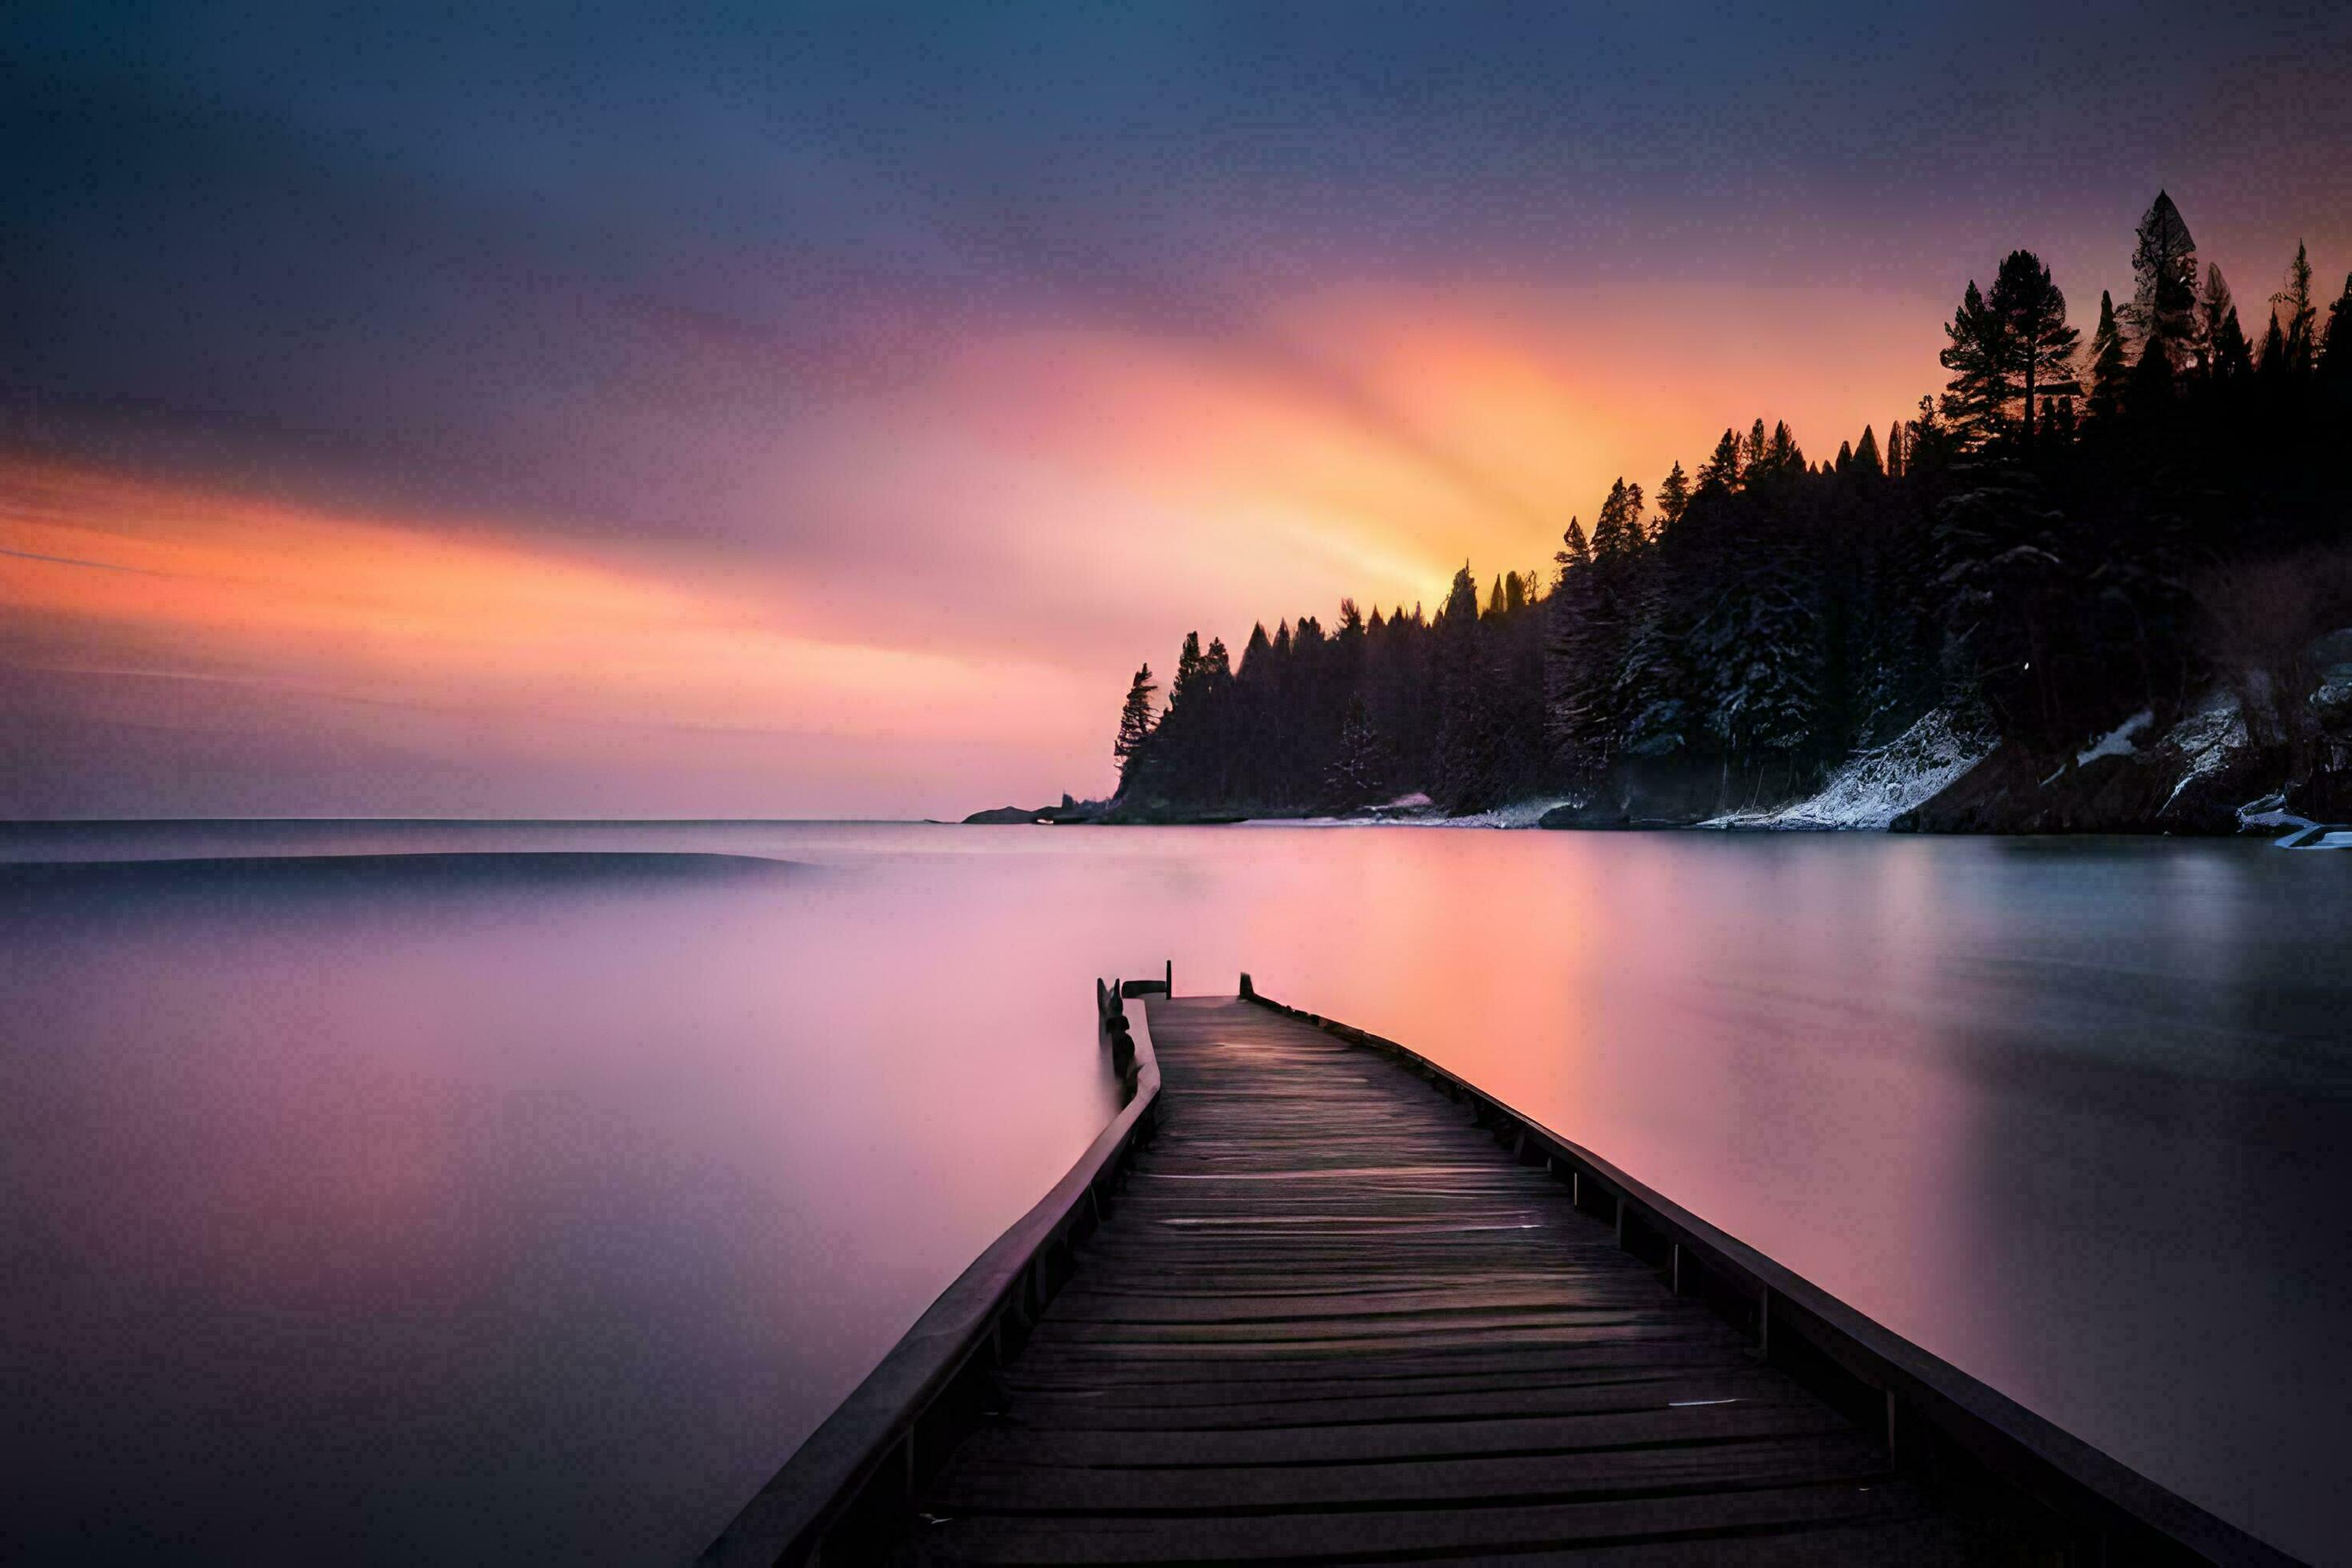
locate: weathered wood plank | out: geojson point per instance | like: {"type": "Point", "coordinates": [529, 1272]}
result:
{"type": "Point", "coordinates": [980, 1485]}
{"type": "Point", "coordinates": [1702, 1523]}
{"type": "Point", "coordinates": [1780, 1413]}
{"type": "Point", "coordinates": [1113, 1410]}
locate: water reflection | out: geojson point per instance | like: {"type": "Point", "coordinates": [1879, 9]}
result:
{"type": "Point", "coordinates": [483, 1206]}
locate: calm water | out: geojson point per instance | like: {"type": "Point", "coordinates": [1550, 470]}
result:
{"type": "Point", "coordinates": [525, 1204]}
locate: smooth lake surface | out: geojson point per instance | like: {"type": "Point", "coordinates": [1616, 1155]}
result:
{"type": "Point", "coordinates": [479, 1192]}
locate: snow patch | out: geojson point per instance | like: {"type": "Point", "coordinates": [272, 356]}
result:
{"type": "Point", "coordinates": [1872, 788]}
{"type": "Point", "coordinates": [1519, 814]}
{"type": "Point", "coordinates": [2271, 812]}
{"type": "Point", "coordinates": [2317, 837]}
{"type": "Point", "coordinates": [2206, 740]}
{"type": "Point", "coordinates": [2117, 741]}
{"type": "Point", "coordinates": [1412, 810]}
{"type": "Point", "coordinates": [2335, 688]}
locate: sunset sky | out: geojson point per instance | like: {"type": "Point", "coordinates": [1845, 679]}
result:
{"type": "Point", "coordinates": [821, 411]}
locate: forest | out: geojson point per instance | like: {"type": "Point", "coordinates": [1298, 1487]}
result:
{"type": "Point", "coordinates": [2081, 525]}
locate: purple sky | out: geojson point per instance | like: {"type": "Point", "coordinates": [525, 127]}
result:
{"type": "Point", "coordinates": [821, 411]}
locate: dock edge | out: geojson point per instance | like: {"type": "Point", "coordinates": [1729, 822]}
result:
{"type": "Point", "coordinates": [2116, 1514]}
{"type": "Point", "coordinates": [867, 1460]}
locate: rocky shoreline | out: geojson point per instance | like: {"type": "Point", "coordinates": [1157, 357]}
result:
{"type": "Point", "coordinates": [2211, 771]}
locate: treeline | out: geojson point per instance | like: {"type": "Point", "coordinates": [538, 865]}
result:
{"type": "Point", "coordinates": [2073, 530]}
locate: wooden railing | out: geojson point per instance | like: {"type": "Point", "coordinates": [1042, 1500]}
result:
{"type": "Point", "coordinates": [1941, 1423]}
{"type": "Point", "coordinates": [850, 1482]}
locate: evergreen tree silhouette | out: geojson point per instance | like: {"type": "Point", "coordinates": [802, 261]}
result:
{"type": "Point", "coordinates": [1674, 497]}
{"type": "Point", "coordinates": [2335, 351]}
{"type": "Point", "coordinates": [1867, 463]}
{"type": "Point", "coordinates": [2109, 368]}
{"type": "Point", "coordinates": [1977, 354]}
{"type": "Point", "coordinates": [2299, 335]}
{"type": "Point", "coordinates": [2229, 358]}
{"type": "Point", "coordinates": [2164, 302]}
{"type": "Point", "coordinates": [1134, 717]}
{"type": "Point", "coordinates": [2039, 359]}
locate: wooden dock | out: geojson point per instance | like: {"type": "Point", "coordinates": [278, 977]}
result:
{"type": "Point", "coordinates": [1324, 1302]}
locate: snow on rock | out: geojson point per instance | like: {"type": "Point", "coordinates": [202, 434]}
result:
{"type": "Point", "coordinates": [2117, 741]}
{"type": "Point", "coordinates": [2206, 740]}
{"type": "Point", "coordinates": [1414, 811]}
{"type": "Point", "coordinates": [1519, 814]}
{"type": "Point", "coordinates": [1872, 788]}
{"type": "Point", "coordinates": [2271, 812]}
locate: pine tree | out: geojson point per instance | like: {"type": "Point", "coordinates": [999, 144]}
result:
{"type": "Point", "coordinates": [1186, 687]}
{"type": "Point", "coordinates": [1617, 533]}
{"type": "Point", "coordinates": [1977, 356]}
{"type": "Point", "coordinates": [1720, 472]}
{"type": "Point", "coordinates": [1761, 639]}
{"type": "Point", "coordinates": [1359, 771]}
{"type": "Point", "coordinates": [1465, 764]}
{"type": "Point", "coordinates": [1928, 443]}
{"type": "Point", "coordinates": [2109, 368]}
{"type": "Point", "coordinates": [2040, 345]}
{"type": "Point", "coordinates": [1257, 655]}
{"type": "Point", "coordinates": [1135, 717]}
{"type": "Point", "coordinates": [1674, 497]}
{"type": "Point", "coordinates": [2300, 343]}
{"type": "Point", "coordinates": [1650, 704]}
{"type": "Point", "coordinates": [1751, 456]}
{"type": "Point", "coordinates": [2336, 353]}
{"type": "Point", "coordinates": [1579, 651]}
{"type": "Point", "coordinates": [1867, 464]}
{"type": "Point", "coordinates": [1574, 552]}
{"type": "Point", "coordinates": [2164, 302]}
{"type": "Point", "coordinates": [2216, 319]}
{"type": "Point", "coordinates": [2234, 356]}
{"type": "Point", "coordinates": [1895, 453]}
{"type": "Point", "coordinates": [2273, 360]}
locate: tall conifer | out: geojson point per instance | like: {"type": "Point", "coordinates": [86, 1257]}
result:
{"type": "Point", "coordinates": [2299, 336]}
{"type": "Point", "coordinates": [2109, 368]}
{"type": "Point", "coordinates": [2164, 302]}
{"type": "Point", "coordinates": [1134, 717]}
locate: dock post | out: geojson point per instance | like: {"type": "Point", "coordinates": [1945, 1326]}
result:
{"type": "Point", "coordinates": [1678, 1267]}
{"type": "Point", "coordinates": [1171, 980]}
{"type": "Point", "coordinates": [1764, 1324]}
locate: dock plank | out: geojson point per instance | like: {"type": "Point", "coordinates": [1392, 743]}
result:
{"type": "Point", "coordinates": [1330, 1319]}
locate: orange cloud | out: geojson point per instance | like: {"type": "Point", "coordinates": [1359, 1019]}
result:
{"type": "Point", "coordinates": [108, 574]}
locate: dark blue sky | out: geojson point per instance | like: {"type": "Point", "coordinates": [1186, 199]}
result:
{"type": "Point", "coordinates": [364, 219]}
